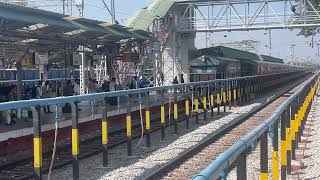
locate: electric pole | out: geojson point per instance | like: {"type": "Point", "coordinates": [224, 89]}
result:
{"type": "Point", "coordinates": [113, 11]}
{"type": "Point", "coordinates": [292, 53]}
{"type": "Point", "coordinates": [270, 42]}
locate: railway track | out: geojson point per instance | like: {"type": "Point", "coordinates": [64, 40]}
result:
{"type": "Point", "coordinates": [23, 169]}
{"type": "Point", "coordinates": [199, 156]}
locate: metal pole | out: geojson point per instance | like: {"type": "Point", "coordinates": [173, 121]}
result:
{"type": "Point", "coordinates": [242, 167]}
{"type": "Point", "coordinates": [63, 7]}
{"type": "Point", "coordinates": [275, 157]}
{"type": "Point", "coordinates": [105, 135]}
{"type": "Point", "coordinates": [129, 128]}
{"type": "Point", "coordinates": [163, 116]}
{"type": "Point", "coordinates": [113, 11]}
{"type": "Point", "coordinates": [283, 146]}
{"type": "Point", "coordinates": [264, 156]}
{"type": "Point", "coordinates": [187, 107]}
{"type": "Point", "coordinates": [175, 112]}
{"type": "Point", "coordinates": [196, 104]}
{"type": "Point", "coordinates": [148, 119]}
{"type": "Point", "coordinates": [75, 141]}
{"type": "Point", "coordinates": [204, 102]}
{"type": "Point", "coordinates": [19, 85]}
{"type": "Point", "coordinates": [37, 143]}
{"type": "Point", "coordinates": [288, 139]}
{"type": "Point", "coordinates": [270, 41]}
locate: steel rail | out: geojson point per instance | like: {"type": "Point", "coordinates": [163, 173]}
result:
{"type": "Point", "coordinates": [213, 137]}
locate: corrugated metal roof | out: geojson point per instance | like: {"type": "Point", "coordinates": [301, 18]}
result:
{"type": "Point", "coordinates": [271, 59]}
{"type": "Point", "coordinates": [237, 54]}
{"type": "Point", "coordinates": [144, 17]}
{"type": "Point", "coordinates": [140, 20]}
{"type": "Point", "coordinates": [27, 23]}
{"type": "Point", "coordinates": [160, 7]}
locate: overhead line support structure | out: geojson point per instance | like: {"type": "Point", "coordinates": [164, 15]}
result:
{"type": "Point", "coordinates": [235, 15]}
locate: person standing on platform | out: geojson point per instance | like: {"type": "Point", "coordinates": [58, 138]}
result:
{"type": "Point", "coordinates": [181, 78]}
{"type": "Point", "coordinates": [113, 87]}
{"type": "Point", "coordinates": [12, 96]}
{"type": "Point", "coordinates": [175, 80]}
{"type": "Point", "coordinates": [67, 91]}
{"type": "Point", "coordinates": [76, 87]}
{"type": "Point", "coordinates": [38, 90]}
{"type": "Point", "coordinates": [46, 93]}
{"type": "Point", "coordinates": [134, 83]}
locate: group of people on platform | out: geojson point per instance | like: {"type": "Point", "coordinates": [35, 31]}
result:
{"type": "Point", "coordinates": [49, 89]}
{"type": "Point", "coordinates": [175, 80]}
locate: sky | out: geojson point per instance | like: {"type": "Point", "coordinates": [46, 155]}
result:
{"type": "Point", "coordinates": [281, 39]}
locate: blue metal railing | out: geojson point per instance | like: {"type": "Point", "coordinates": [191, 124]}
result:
{"type": "Point", "coordinates": [225, 160]}
{"type": "Point", "coordinates": [88, 97]}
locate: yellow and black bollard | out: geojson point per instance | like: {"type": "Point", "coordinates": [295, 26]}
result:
{"type": "Point", "coordinates": [211, 99]}
{"type": "Point", "coordinates": [275, 156]}
{"type": "Point", "coordinates": [37, 143]}
{"type": "Point", "coordinates": [104, 135]}
{"type": "Point", "coordinates": [288, 140]}
{"type": "Point", "coordinates": [175, 112]}
{"type": "Point", "coordinates": [75, 140]}
{"type": "Point", "coordinates": [218, 99]}
{"type": "Point", "coordinates": [235, 93]}
{"type": "Point", "coordinates": [196, 104]}
{"type": "Point", "coordinates": [264, 156]}
{"type": "Point", "coordinates": [129, 127]}
{"type": "Point", "coordinates": [162, 116]}
{"type": "Point", "coordinates": [204, 102]}
{"type": "Point", "coordinates": [224, 96]}
{"type": "Point", "coordinates": [187, 107]}
{"type": "Point", "coordinates": [241, 164]}
{"type": "Point", "coordinates": [229, 94]}
{"type": "Point", "coordinates": [283, 134]}
{"type": "Point", "coordinates": [294, 126]}
{"type": "Point", "coordinates": [148, 121]}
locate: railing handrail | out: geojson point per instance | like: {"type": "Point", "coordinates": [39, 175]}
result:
{"type": "Point", "coordinates": [88, 97]}
{"type": "Point", "coordinates": [224, 160]}
{"type": "Point", "coordinates": [32, 80]}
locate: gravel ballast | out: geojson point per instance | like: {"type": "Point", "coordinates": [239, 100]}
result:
{"type": "Point", "coordinates": [311, 161]}
{"type": "Point", "coordinates": [144, 160]}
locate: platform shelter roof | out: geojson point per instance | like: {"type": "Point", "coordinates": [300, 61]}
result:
{"type": "Point", "coordinates": [271, 59]}
{"type": "Point", "coordinates": [33, 26]}
{"type": "Point", "coordinates": [144, 18]}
